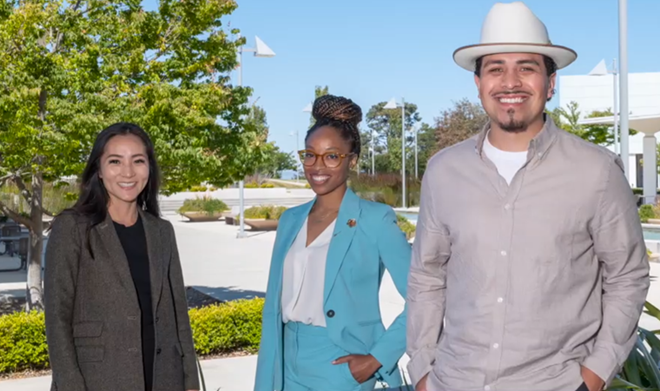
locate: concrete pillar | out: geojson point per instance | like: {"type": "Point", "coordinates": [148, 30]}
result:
{"type": "Point", "coordinates": [650, 169]}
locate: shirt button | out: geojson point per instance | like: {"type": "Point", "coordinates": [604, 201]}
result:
{"type": "Point", "coordinates": [487, 388]}
{"type": "Point", "coordinates": [331, 313]}
{"type": "Point", "coordinates": [503, 253]}
{"type": "Point", "coordinates": [496, 345]}
{"type": "Point", "coordinates": [507, 206]}
{"type": "Point", "coordinates": [499, 299]}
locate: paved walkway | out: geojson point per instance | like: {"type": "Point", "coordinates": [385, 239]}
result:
{"type": "Point", "coordinates": [252, 197]}
{"type": "Point", "coordinates": [217, 263]}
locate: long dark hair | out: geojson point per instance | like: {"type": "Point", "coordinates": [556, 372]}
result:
{"type": "Point", "coordinates": [93, 198]}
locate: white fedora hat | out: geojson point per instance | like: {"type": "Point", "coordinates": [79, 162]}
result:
{"type": "Point", "coordinates": [513, 28]}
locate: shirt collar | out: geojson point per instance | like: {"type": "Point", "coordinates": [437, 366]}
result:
{"type": "Point", "coordinates": [538, 145]}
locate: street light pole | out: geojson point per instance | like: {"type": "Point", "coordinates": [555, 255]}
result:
{"type": "Point", "coordinates": [261, 50]}
{"type": "Point", "coordinates": [623, 88]}
{"type": "Point", "coordinates": [416, 164]}
{"type": "Point", "coordinates": [615, 109]}
{"type": "Point", "coordinates": [403, 151]}
{"type": "Point", "coordinates": [373, 153]}
{"type": "Point", "coordinates": [241, 184]}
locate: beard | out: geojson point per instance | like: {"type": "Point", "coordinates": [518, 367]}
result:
{"type": "Point", "coordinates": [513, 125]}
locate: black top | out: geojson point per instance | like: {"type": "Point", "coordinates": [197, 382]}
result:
{"type": "Point", "coordinates": [134, 242]}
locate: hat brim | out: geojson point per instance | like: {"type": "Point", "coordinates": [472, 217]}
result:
{"type": "Point", "coordinates": [467, 56]}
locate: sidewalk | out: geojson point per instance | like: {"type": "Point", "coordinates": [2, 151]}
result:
{"type": "Point", "coordinates": [230, 374]}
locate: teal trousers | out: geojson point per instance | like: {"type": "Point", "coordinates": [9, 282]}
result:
{"type": "Point", "coordinates": [308, 356]}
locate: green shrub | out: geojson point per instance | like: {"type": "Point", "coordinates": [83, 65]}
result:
{"type": "Point", "coordinates": [220, 328]}
{"type": "Point", "coordinates": [23, 342]}
{"type": "Point", "coordinates": [267, 185]}
{"type": "Point", "coordinates": [385, 188]}
{"type": "Point", "coordinates": [646, 212]}
{"type": "Point", "coordinates": [197, 189]}
{"type": "Point", "coordinates": [640, 370]}
{"type": "Point", "coordinates": [204, 204]}
{"type": "Point", "coordinates": [267, 212]}
{"type": "Point", "coordinates": [251, 185]}
{"type": "Point", "coordinates": [639, 191]}
{"type": "Point", "coordinates": [406, 226]}
{"type": "Point", "coordinates": [227, 327]}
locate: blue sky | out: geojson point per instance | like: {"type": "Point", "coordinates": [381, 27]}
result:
{"type": "Point", "coordinates": [372, 50]}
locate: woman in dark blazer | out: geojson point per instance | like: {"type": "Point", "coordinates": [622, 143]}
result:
{"type": "Point", "coordinates": [116, 311]}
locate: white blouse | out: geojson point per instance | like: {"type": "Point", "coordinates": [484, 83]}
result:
{"type": "Point", "coordinates": [303, 278]}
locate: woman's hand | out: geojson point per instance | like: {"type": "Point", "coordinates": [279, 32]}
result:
{"type": "Point", "coordinates": [362, 366]}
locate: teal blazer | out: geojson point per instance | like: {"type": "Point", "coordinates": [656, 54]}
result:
{"type": "Point", "coordinates": [358, 254]}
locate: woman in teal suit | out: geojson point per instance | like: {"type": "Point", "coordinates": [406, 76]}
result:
{"type": "Point", "coordinates": [322, 328]}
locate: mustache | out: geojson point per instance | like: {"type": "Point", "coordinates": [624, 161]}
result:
{"type": "Point", "coordinates": [514, 92]}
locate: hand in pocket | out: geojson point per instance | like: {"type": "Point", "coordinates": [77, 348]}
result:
{"type": "Point", "coordinates": [362, 366]}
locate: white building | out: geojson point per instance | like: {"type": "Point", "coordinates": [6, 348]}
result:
{"type": "Point", "coordinates": [596, 93]}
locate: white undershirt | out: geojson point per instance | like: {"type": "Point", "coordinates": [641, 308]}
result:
{"type": "Point", "coordinates": [303, 278]}
{"type": "Point", "coordinates": [507, 163]}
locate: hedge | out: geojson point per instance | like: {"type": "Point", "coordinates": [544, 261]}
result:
{"type": "Point", "coordinates": [217, 329]}
{"type": "Point", "coordinates": [227, 327]}
{"type": "Point", "coordinates": [23, 342]}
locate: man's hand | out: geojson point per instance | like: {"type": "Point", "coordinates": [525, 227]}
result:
{"type": "Point", "coordinates": [591, 380]}
{"type": "Point", "coordinates": [421, 386]}
{"type": "Point", "coordinates": [362, 366]}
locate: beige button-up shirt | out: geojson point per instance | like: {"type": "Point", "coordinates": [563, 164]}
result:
{"type": "Point", "coordinates": [532, 280]}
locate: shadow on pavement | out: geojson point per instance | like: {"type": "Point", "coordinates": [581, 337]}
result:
{"type": "Point", "coordinates": [199, 296]}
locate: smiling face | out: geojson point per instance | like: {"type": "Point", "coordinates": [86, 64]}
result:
{"type": "Point", "coordinates": [514, 88]}
{"type": "Point", "coordinates": [329, 173]}
{"type": "Point", "coordinates": [124, 168]}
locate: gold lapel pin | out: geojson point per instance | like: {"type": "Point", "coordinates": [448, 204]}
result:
{"type": "Point", "coordinates": [351, 223]}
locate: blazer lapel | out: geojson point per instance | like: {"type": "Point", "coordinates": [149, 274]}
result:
{"type": "Point", "coordinates": [345, 227]}
{"type": "Point", "coordinates": [116, 255]}
{"type": "Point", "coordinates": [289, 233]}
{"type": "Point", "coordinates": [154, 250]}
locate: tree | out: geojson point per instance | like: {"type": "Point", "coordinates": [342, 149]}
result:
{"type": "Point", "coordinates": [459, 123]}
{"type": "Point", "coordinates": [426, 147]}
{"type": "Point", "coordinates": [273, 160]}
{"type": "Point", "coordinates": [568, 119]}
{"type": "Point", "coordinates": [318, 92]}
{"type": "Point", "coordinates": [276, 161]}
{"type": "Point", "coordinates": [384, 126]}
{"type": "Point", "coordinates": [69, 69]}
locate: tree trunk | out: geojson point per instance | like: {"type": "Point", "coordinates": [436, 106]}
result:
{"type": "Point", "coordinates": [35, 286]}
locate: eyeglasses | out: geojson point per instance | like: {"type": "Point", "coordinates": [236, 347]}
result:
{"type": "Point", "coordinates": [330, 159]}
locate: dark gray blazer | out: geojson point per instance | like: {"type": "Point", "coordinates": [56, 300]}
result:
{"type": "Point", "coordinates": [93, 314]}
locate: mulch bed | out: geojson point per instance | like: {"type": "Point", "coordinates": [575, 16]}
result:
{"type": "Point", "coordinates": [11, 304]}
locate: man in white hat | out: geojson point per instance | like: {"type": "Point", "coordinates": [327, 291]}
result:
{"type": "Point", "coordinates": [529, 267]}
